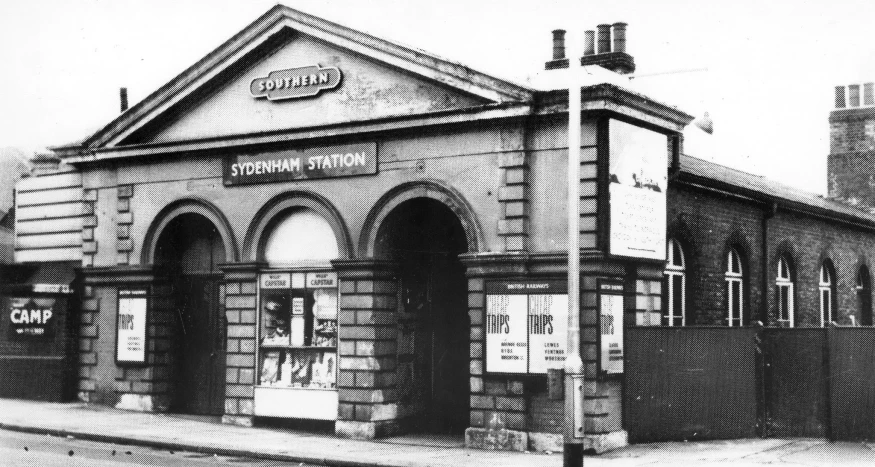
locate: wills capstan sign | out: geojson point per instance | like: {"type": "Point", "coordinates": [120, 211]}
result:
{"type": "Point", "coordinates": [293, 83]}
{"type": "Point", "coordinates": [300, 164]}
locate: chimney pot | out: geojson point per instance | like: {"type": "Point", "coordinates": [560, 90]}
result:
{"type": "Point", "coordinates": [123, 98]}
{"type": "Point", "coordinates": [868, 95]}
{"type": "Point", "coordinates": [620, 37]}
{"type": "Point", "coordinates": [589, 43]}
{"type": "Point", "coordinates": [840, 97]}
{"type": "Point", "coordinates": [604, 38]}
{"type": "Point", "coordinates": [854, 95]}
{"type": "Point", "coordinates": [558, 44]}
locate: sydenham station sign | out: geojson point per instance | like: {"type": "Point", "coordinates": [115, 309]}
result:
{"type": "Point", "coordinates": [301, 164]}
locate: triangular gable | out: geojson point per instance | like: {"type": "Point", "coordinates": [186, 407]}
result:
{"type": "Point", "coordinates": [286, 38]}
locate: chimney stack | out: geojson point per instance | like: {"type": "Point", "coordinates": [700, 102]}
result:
{"type": "Point", "coordinates": [840, 97]}
{"type": "Point", "coordinates": [123, 98]}
{"type": "Point", "coordinates": [558, 44]}
{"type": "Point", "coordinates": [854, 95]}
{"type": "Point", "coordinates": [604, 38]}
{"type": "Point", "coordinates": [620, 37]}
{"type": "Point", "coordinates": [589, 43]}
{"type": "Point", "coordinates": [617, 60]}
{"type": "Point", "coordinates": [559, 60]}
{"type": "Point", "coordinates": [45, 163]}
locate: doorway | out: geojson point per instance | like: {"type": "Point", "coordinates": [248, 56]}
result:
{"type": "Point", "coordinates": [189, 250]}
{"type": "Point", "coordinates": [424, 237]}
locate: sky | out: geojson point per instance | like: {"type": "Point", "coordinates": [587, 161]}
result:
{"type": "Point", "coordinates": [763, 70]}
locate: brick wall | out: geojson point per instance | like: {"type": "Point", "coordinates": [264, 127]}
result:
{"type": "Point", "coordinates": [852, 155]}
{"type": "Point", "coordinates": [706, 224]}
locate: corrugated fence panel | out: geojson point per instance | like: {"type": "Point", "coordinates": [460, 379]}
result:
{"type": "Point", "coordinates": [690, 383]}
{"type": "Point", "coordinates": [852, 392]}
{"type": "Point", "coordinates": [795, 382]}
{"type": "Point", "coordinates": [48, 218]}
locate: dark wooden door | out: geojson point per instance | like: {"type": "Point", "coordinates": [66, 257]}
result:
{"type": "Point", "coordinates": [449, 326]}
{"type": "Point", "coordinates": [201, 357]}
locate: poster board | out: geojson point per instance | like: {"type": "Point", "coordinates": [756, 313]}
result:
{"type": "Point", "coordinates": [131, 326]}
{"type": "Point", "coordinates": [525, 326]}
{"type": "Point", "coordinates": [31, 317]}
{"type": "Point", "coordinates": [638, 179]}
{"type": "Point", "coordinates": [611, 349]}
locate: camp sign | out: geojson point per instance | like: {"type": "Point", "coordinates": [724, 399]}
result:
{"type": "Point", "coordinates": [526, 326]}
{"type": "Point", "coordinates": [301, 164]}
{"type": "Point", "coordinates": [31, 317]}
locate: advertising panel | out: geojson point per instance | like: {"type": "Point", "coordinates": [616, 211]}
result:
{"type": "Point", "coordinates": [131, 326]}
{"type": "Point", "coordinates": [611, 323]}
{"type": "Point", "coordinates": [638, 180]}
{"type": "Point", "coordinates": [526, 326]}
{"type": "Point", "coordinates": [31, 317]}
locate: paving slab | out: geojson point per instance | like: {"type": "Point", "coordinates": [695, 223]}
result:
{"type": "Point", "coordinates": [199, 434]}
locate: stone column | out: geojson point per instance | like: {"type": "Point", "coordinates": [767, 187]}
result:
{"type": "Point", "coordinates": [367, 345]}
{"type": "Point", "coordinates": [238, 295]}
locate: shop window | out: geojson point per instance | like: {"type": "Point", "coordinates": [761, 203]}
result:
{"type": "Point", "coordinates": [674, 313]}
{"type": "Point", "coordinates": [827, 294]}
{"type": "Point", "coordinates": [297, 373]}
{"type": "Point", "coordinates": [784, 293]}
{"type": "Point", "coordinates": [734, 288]}
{"type": "Point", "coordinates": [864, 296]}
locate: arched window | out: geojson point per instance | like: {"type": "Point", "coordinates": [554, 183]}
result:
{"type": "Point", "coordinates": [784, 293]}
{"type": "Point", "coordinates": [734, 288]}
{"type": "Point", "coordinates": [864, 296]}
{"type": "Point", "coordinates": [674, 313]}
{"type": "Point", "coordinates": [827, 294]}
{"type": "Point", "coordinates": [300, 237]}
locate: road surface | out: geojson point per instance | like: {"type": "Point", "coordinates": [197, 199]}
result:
{"type": "Point", "coordinates": [25, 449]}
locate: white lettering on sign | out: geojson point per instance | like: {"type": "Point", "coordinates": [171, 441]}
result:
{"type": "Point", "coordinates": [337, 160]}
{"type": "Point", "coordinates": [276, 280]}
{"type": "Point", "coordinates": [22, 316]}
{"type": "Point", "coordinates": [321, 280]}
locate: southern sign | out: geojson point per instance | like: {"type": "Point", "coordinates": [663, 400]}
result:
{"type": "Point", "coordinates": [294, 83]}
{"type": "Point", "coordinates": [131, 326]}
{"type": "Point", "coordinates": [526, 326]}
{"type": "Point", "coordinates": [31, 317]}
{"type": "Point", "coordinates": [638, 180]}
{"type": "Point", "coordinates": [611, 323]}
{"type": "Point", "coordinates": [299, 164]}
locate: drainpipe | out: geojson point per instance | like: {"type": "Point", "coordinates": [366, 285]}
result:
{"type": "Point", "coordinates": [768, 213]}
{"type": "Point", "coordinates": [573, 442]}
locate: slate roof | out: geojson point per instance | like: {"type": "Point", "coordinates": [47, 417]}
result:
{"type": "Point", "coordinates": [761, 188]}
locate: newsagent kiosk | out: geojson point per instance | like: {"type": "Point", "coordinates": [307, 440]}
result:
{"type": "Point", "coordinates": [312, 223]}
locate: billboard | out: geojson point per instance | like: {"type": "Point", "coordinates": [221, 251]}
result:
{"type": "Point", "coordinates": [638, 170]}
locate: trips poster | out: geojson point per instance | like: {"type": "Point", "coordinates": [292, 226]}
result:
{"type": "Point", "coordinates": [526, 326]}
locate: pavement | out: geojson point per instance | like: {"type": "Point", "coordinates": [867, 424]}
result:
{"type": "Point", "coordinates": [171, 432]}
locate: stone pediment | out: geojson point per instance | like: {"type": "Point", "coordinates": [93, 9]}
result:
{"type": "Point", "coordinates": [288, 71]}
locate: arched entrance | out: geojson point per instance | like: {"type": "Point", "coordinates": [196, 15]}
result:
{"type": "Point", "coordinates": [188, 249]}
{"type": "Point", "coordinates": [424, 237]}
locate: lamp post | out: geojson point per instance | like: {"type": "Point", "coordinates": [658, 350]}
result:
{"type": "Point", "coordinates": [573, 433]}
